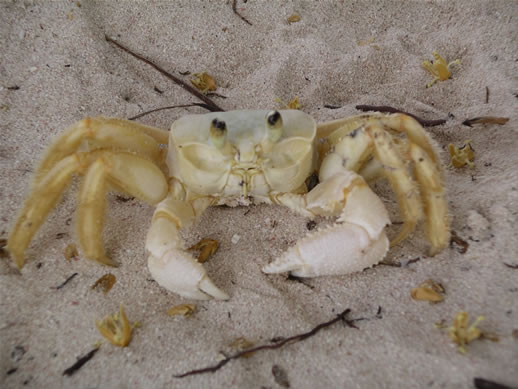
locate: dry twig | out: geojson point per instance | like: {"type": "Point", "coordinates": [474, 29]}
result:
{"type": "Point", "coordinates": [385, 108]}
{"type": "Point", "coordinates": [212, 106]}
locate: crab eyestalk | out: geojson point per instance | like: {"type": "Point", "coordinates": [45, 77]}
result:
{"type": "Point", "coordinates": [218, 133]}
{"type": "Point", "coordinates": [274, 123]}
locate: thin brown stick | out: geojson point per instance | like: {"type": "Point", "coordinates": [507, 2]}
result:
{"type": "Point", "coordinates": [213, 106]}
{"type": "Point", "coordinates": [80, 362]}
{"type": "Point", "coordinates": [385, 108]}
{"type": "Point", "coordinates": [234, 8]}
{"type": "Point", "coordinates": [280, 343]}
{"type": "Point", "coordinates": [487, 95]}
{"type": "Point", "coordinates": [170, 107]}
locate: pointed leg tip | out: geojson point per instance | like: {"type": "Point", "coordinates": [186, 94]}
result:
{"type": "Point", "coordinates": [208, 287]}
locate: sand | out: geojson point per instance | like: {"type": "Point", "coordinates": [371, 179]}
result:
{"type": "Point", "coordinates": [57, 68]}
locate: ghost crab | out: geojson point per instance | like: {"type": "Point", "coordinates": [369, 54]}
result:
{"type": "Point", "coordinates": [238, 158]}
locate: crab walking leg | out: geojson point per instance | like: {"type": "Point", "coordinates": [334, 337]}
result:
{"type": "Point", "coordinates": [101, 132]}
{"type": "Point", "coordinates": [40, 202]}
{"type": "Point", "coordinates": [169, 264]}
{"type": "Point", "coordinates": [133, 174]}
{"type": "Point", "coordinates": [90, 215]}
{"type": "Point", "coordinates": [357, 241]}
{"type": "Point", "coordinates": [435, 205]}
{"type": "Point", "coordinates": [406, 190]}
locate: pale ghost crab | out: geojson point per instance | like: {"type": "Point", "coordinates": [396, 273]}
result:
{"type": "Point", "coordinates": [239, 158]}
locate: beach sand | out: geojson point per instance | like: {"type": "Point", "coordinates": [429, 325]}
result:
{"type": "Point", "coordinates": [56, 68]}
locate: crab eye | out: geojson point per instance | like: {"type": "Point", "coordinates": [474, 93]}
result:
{"type": "Point", "coordinates": [274, 123]}
{"type": "Point", "coordinates": [218, 132]}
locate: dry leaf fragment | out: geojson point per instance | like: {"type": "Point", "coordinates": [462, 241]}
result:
{"type": "Point", "coordinates": [486, 120]}
{"type": "Point", "coordinates": [461, 334]}
{"type": "Point", "coordinates": [440, 69]}
{"type": "Point", "coordinates": [116, 328]}
{"type": "Point", "coordinates": [203, 82]}
{"type": "Point", "coordinates": [280, 376]}
{"type": "Point", "coordinates": [241, 344]}
{"type": "Point", "coordinates": [428, 291]}
{"type": "Point", "coordinates": [107, 281]}
{"type": "Point", "coordinates": [462, 156]}
{"type": "Point", "coordinates": [294, 18]}
{"type": "Point", "coordinates": [207, 247]}
{"type": "Point", "coordinates": [185, 310]}
{"type": "Point", "coordinates": [293, 104]}
{"type": "Point", "coordinates": [71, 251]}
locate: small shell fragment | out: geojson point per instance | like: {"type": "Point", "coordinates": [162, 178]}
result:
{"type": "Point", "coordinates": [185, 310]}
{"type": "Point", "coordinates": [440, 69]}
{"type": "Point", "coordinates": [207, 247]}
{"type": "Point", "coordinates": [461, 334]}
{"type": "Point", "coordinates": [116, 328]}
{"type": "Point", "coordinates": [71, 251]}
{"type": "Point", "coordinates": [428, 291]}
{"type": "Point", "coordinates": [204, 82]}
{"type": "Point", "coordinates": [462, 156]}
{"type": "Point", "coordinates": [294, 18]}
{"type": "Point", "coordinates": [242, 344]}
{"type": "Point", "coordinates": [106, 282]}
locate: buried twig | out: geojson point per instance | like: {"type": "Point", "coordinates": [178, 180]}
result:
{"type": "Point", "coordinates": [234, 8]}
{"type": "Point", "coordinates": [384, 108]}
{"type": "Point", "coordinates": [278, 343]}
{"type": "Point", "coordinates": [66, 281]}
{"type": "Point", "coordinates": [485, 120]}
{"type": "Point", "coordinates": [210, 104]}
{"type": "Point", "coordinates": [80, 362]}
{"type": "Point", "coordinates": [206, 106]}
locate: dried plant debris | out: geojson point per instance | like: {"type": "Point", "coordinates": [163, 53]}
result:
{"type": "Point", "coordinates": [207, 247]}
{"type": "Point", "coordinates": [66, 281]}
{"type": "Point", "coordinates": [482, 383]}
{"type": "Point", "coordinates": [242, 344]}
{"type": "Point", "coordinates": [210, 369]}
{"type": "Point", "coordinates": [388, 109]}
{"type": "Point", "coordinates": [234, 8]}
{"type": "Point", "coordinates": [3, 252]}
{"type": "Point", "coordinates": [184, 310]}
{"type": "Point", "coordinates": [80, 362]}
{"type": "Point", "coordinates": [463, 245]}
{"type": "Point", "coordinates": [369, 42]}
{"type": "Point", "coordinates": [204, 82]}
{"type": "Point", "coordinates": [439, 68]}
{"type": "Point", "coordinates": [210, 105]}
{"type": "Point", "coordinates": [293, 104]}
{"type": "Point", "coordinates": [106, 282]}
{"type": "Point", "coordinates": [71, 252]}
{"type": "Point", "coordinates": [462, 156]}
{"type": "Point", "coordinates": [461, 334]}
{"type": "Point", "coordinates": [280, 376]}
{"type": "Point", "coordinates": [294, 18]}
{"type": "Point", "coordinates": [116, 328]}
{"type": "Point", "coordinates": [428, 291]}
{"type": "Point", "coordinates": [486, 120]}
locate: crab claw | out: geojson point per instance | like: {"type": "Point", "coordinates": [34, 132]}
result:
{"type": "Point", "coordinates": [178, 272]}
{"type": "Point", "coordinates": [356, 242]}
{"type": "Point", "coordinates": [175, 269]}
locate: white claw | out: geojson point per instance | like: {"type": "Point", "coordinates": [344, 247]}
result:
{"type": "Point", "coordinates": [357, 242]}
{"type": "Point", "coordinates": [178, 272]}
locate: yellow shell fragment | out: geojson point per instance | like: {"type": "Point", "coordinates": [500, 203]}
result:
{"type": "Point", "coordinates": [204, 82]}
{"type": "Point", "coordinates": [461, 334]}
{"type": "Point", "coordinates": [462, 156]}
{"type": "Point", "coordinates": [242, 344]}
{"type": "Point", "coordinates": [207, 247]}
{"type": "Point", "coordinates": [293, 104]}
{"type": "Point", "coordinates": [116, 328]}
{"type": "Point", "coordinates": [71, 251]}
{"type": "Point", "coordinates": [183, 310]}
{"type": "Point", "coordinates": [294, 18]}
{"type": "Point", "coordinates": [440, 69]}
{"type": "Point", "coordinates": [428, 291]}
{"type": "Point", "coordinates": [107, 281]}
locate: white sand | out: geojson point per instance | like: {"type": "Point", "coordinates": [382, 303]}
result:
{"type": "Point", "coordinates": [56, 53]}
